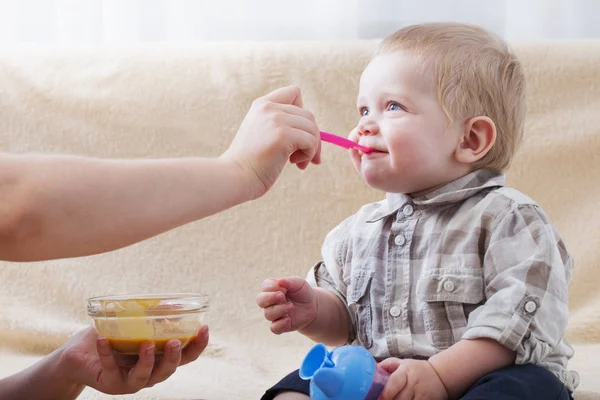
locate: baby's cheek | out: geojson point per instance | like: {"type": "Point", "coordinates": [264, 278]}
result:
{"type": "Point", "coordinates": [353, 135]}
{"type": "Point", "coordinates": [413, 150]}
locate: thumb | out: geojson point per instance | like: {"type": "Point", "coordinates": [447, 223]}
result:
{"type": "Point", "coordinates": [292, 284]}
{"type": "Point", "coordinates": [285, 95]}
{"type": "Point", "coordinates": [391, 364]}
{"type": "Point", "coordinates": [296, 288]}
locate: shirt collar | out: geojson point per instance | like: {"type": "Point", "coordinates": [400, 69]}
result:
{"type": "Point", "coordinates": [453, 192]}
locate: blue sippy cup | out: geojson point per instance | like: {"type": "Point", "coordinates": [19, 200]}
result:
{"type": "Point", "coordinates": [346, 373]}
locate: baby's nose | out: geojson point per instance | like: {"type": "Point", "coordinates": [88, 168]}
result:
{"type": "Point", "coordinates": [368, 129]}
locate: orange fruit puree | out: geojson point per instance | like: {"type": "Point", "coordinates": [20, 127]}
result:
{"type": "Point", "coordinates": [132, 346]}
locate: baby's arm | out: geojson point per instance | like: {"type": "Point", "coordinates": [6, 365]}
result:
{"type": "Point", "coordinates": [476, 358]}
{"type": "Point", "coordinates": [526, 273]}
{"type": "Point", "coordinates": [331, 324]}
{"type": "Point", "coordinates": [314, 306]}
{"type": "Point", "coordinates": [292, 304]}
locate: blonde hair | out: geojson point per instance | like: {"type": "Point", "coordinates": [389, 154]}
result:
{"type": "Point", "coordinates": [475, 74]}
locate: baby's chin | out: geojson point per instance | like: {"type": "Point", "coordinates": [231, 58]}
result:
{"type": "Point", "coordinates": [377, 181]}
{"type": "Point", "coordinates": [388, 183]}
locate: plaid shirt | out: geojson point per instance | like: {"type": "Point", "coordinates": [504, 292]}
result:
{"type": "Point", "coordinates": [470, 260]}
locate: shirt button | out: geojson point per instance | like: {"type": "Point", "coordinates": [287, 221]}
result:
{"type": "Point", "coordinates": [448, 286]}
{"type": "Point", "coordinates": [408, 210]}
{"type": "Point", "coordinates": [530, 306]}
{"type": "Point", "coordinates": [395, 311]}
{"type": "Point", "coordinates": [399, 240]}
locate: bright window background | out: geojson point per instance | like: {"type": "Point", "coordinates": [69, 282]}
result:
{"type": "Point", "coordinates": [110, 21]}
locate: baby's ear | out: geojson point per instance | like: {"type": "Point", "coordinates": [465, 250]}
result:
{"type": "Point", "coordinates": [478, 137]}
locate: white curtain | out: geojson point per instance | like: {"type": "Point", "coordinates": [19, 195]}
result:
{"type": "Point", "coordinates": [110, 21]}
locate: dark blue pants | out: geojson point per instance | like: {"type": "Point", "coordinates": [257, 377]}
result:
{"type": "Point", "coordinates": [516, 382]}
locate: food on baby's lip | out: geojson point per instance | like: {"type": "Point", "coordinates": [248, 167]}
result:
{"type": "Point", "coordinates": [129, 321]}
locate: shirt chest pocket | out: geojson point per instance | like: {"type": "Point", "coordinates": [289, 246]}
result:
{"type": "Point", "coordinates": [446, 298]}
{"type": "Point", "coordinates": [359, 306]}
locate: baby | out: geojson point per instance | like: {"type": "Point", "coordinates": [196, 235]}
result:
{"type": "Point", "coordinates": [456, 283]}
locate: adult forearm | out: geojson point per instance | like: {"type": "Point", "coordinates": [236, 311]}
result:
{"type": "Point", "coordinates": [331, 325]}
{"type": "Point", "coordinates": [42, 381]}
{"type": "Point", "coordinates": [62, 206]}
{"type": "Point", "coordinates": [461, 365]}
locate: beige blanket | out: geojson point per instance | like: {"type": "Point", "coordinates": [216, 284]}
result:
{"type": "Point", "coordinates": [188, 101]}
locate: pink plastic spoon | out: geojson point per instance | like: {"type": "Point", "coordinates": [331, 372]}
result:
{"type": "Point", "coordinates": [343, 142]}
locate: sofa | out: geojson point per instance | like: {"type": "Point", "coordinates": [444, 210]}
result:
{"type": "Point", "coordinates": [187, 100]}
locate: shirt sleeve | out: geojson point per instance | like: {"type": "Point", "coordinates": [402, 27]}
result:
{"type": "Point", "coordinates": [526, 273]}
{"type": "Point", "coordinates": [329, 274]}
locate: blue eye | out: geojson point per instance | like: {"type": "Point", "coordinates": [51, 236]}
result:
{"type": "Point", "coordinates": [394, 107]}
{"type": "Point", "coordinates": [364, 112]}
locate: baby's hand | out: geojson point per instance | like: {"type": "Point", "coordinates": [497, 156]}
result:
{"type": "Point", "coordinates": [290, 304]}
{"type": "Point", "coordinates": [411, 379]}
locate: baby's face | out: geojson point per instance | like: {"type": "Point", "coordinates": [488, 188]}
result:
{"type": "Point", "coordinates": [401, 117]}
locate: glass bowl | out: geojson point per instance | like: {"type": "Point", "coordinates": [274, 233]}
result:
{"type": "Point", "coordinates": [128, 321]}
